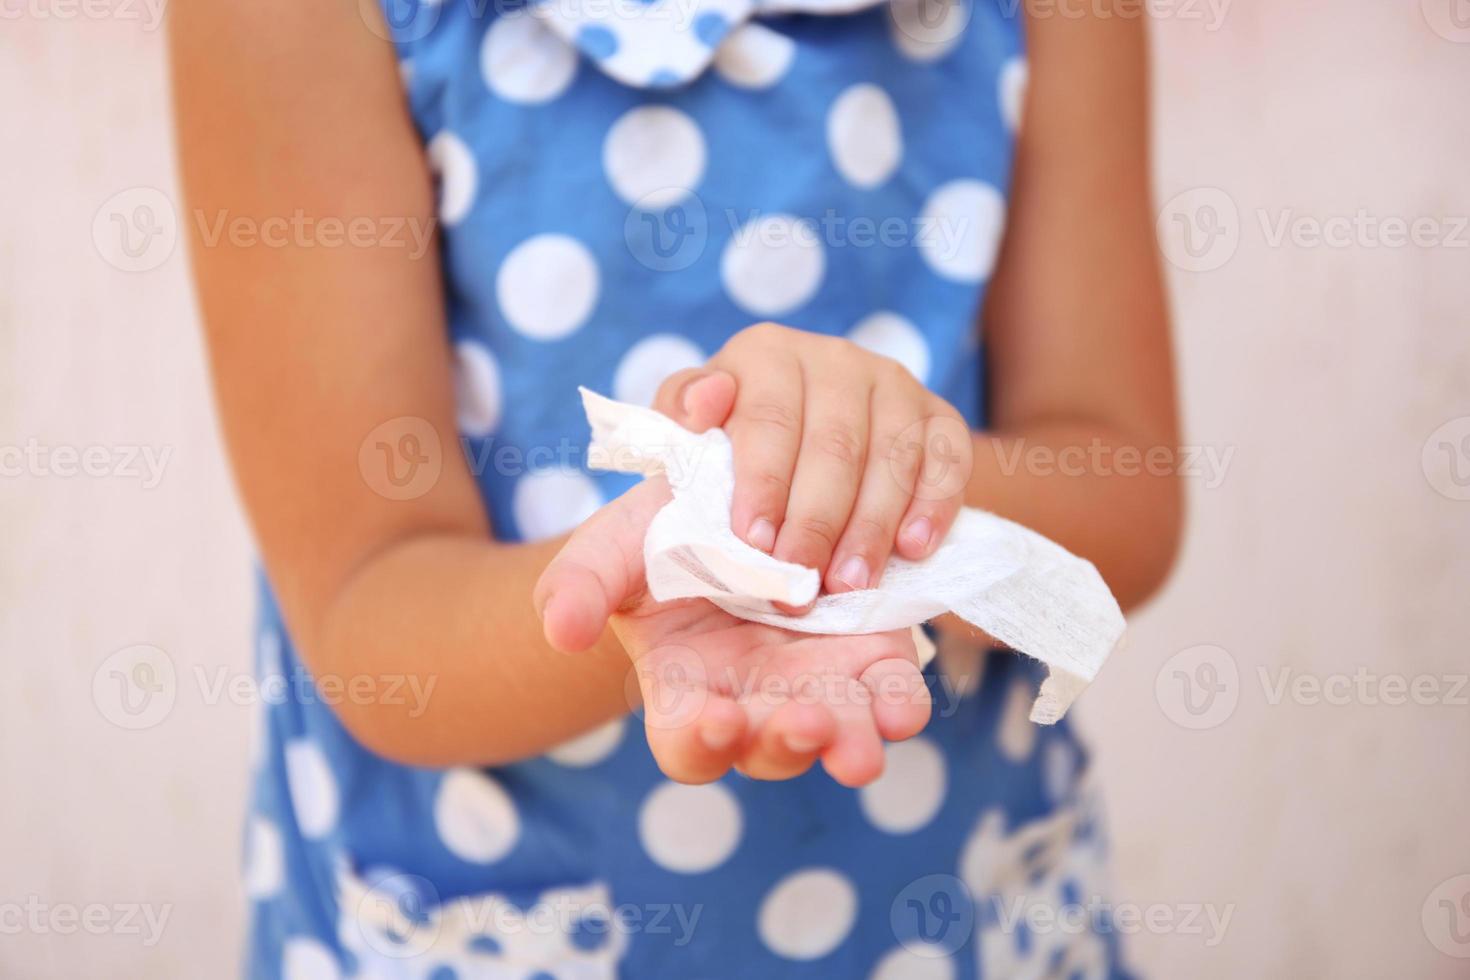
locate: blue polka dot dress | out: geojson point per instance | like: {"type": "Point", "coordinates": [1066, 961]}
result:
{"type": "Point", "coordinates": [622, 186]}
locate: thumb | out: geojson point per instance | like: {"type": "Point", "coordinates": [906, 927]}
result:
{"type": "Point", "coordinates": [697, 398]}
{"type": "Point", "coordinates": [598, 570]}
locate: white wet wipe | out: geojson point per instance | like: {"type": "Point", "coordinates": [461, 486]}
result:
{"type": "Point", "coordinates": [1022, 589]}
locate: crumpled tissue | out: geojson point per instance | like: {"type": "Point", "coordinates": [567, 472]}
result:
{"type": "Point", "coordinates": [1022, 589]}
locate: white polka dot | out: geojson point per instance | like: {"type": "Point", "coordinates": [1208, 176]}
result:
{"type": "Point", "coordinates": [917, 961]}
{"type": "Point", "coordinates": [454, 165]}
{"type": "Point", "coordinates": [1012, 92]}
{"type": "Point", "coordinates": [985, 855]}
{"type": "Point", "coordinates": [894, 336]}
{"type": "Point", "coordinates": [807, 914]}
{"type": "Point", "coordinates": [960, 230]}
{"type": "Point", "coordinates": [476, 388]}
{"type": "Point", "coordinates": [265, 859]}
{"type": "Point", "coordinates": [863, 135]}
{"type": "Point", "coordinates": [1058, 770]}
{"type": "Point", "coordinates": [307, 959]}
{"type": "Point", "coordinates": [773, 264]}
{"type": "Point", "coordinates": [689, 828]}
{"type": "Point", "coordinates": [547, 286]}
{"type": "Point", "coordinates": [911, 789]}
{"type": "Point", "coordinates": [475, 816]}
{"type": "Point", "coordinates": [523, 60]}
{"type": "Point", "coordinates": [927, 30]}
{"type": "Point", "coordinates": [591, 748]}
{"type": "Point", "coordinates": [1016, 734]}
{"type": "Point", "coordinates": [313, 789]}
{"type": "Point", "coordinates": [553, 501]}
{"type": "Point", "coordinates": [653, 156]}
{"type": "Point", "coordinates": [754, 56]}
{"type": "Point", "coordinates": [649, 362]}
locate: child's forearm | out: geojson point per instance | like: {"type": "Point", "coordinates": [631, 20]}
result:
{"type": "Point", "coordinates": [450, 617]}
{"type": "Point", "coordinates": [1100, 492]}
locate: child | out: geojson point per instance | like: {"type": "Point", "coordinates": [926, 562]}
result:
{"type": "Point", "coordinates": [627, 194]}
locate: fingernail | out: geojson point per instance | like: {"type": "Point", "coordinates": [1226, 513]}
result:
{"type": "Point", "coordinates": [919, 532]}
{"type": "Point", "coordinates": [762, 534]}
{"type": "Point", "coordinates": [801, 744]}
{"type": "Point", "coordinates": [853, 573]}
{"type": "Point", "coordinates": [687, 395]}
{"type": "Point", "coordinates": [717, 739]}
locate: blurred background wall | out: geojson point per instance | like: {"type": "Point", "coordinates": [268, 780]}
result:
{"type": "Point", "coordinates": [1285, 741]}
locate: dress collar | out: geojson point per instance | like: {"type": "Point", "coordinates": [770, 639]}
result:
{"type": "Point", "coordinates": [665, 43]}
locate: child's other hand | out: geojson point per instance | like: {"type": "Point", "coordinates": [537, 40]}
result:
{"type": "Point", "coordinates": [841, 455]}
{"type": "Point", "coordinates": [718, 691]}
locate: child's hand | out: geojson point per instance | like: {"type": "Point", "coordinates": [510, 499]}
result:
{"type": "Point", "coordinates": [841, 455]}
{"type": "Point", "coordinates": [718, 691]}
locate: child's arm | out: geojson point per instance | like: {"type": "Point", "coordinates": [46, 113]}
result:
{"type": "Point", "coordinates": [1077, 334]}
{"type": "Point", "coordinates": [1083, 431]}
{"type": "Point", "coordinates": [292, 109]}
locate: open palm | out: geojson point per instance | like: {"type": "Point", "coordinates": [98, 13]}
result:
{"type": "Point", "coordinates": [719, 691]}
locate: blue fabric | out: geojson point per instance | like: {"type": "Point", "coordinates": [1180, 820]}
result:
{"type": "Point", "coordinates": [582, 246]}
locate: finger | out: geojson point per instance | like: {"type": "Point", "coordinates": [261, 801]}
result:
{"type": "Point", "coordinates": [855, 757]}
{"type": "Point", "coordinates": [694, 733]}
{"type": "Point", "coordinates": [901, 700]}
{"type": "Point", "coordinates": [887, 489]}
{"type": "Point", "coordinates": [765, 430]}
{"type": "Point", "coordinates": [697, 398]}
{"type": "Point", "coordinates": [789, 741]}
{"type": "Point", "coordinates": [940, 490]}
{"type": "Point", "coordinates": [598, 570]}
{"type": "Point", "coordinates": [829, 468]}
